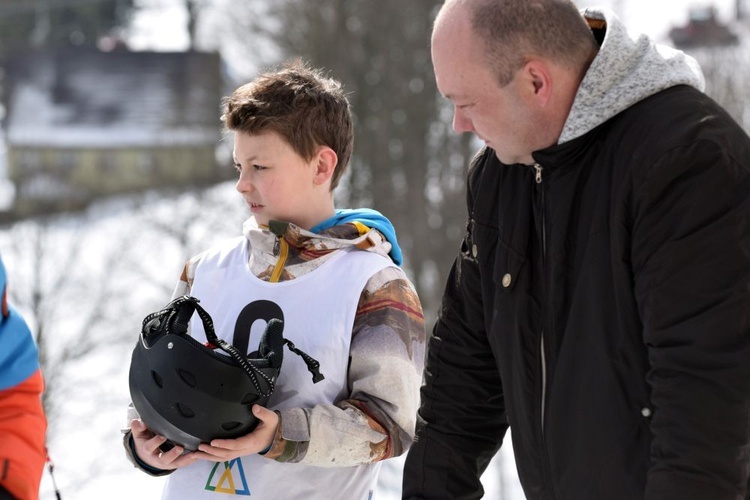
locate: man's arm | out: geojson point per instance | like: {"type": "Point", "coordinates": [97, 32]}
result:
{"type": "Point", "coordinates": [691, 263]}
{"type": "Point", "coordinates": [461, 422]}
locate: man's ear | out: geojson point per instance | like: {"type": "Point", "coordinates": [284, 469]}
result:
{"type": "Point", "coordinates": [537, 78]}
{"type": "Point", "coordinates": [325, 164]}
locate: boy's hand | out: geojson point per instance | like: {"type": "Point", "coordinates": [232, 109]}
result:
{"type": "Point", "coordinates": [221, 450]}
{"type": "Point", "coordinates": [147, 448]}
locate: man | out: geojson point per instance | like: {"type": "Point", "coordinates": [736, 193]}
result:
{"type": "Point", "coordinates": [600, 304]}
{"type": "Point", "coordinates": [22, 421]}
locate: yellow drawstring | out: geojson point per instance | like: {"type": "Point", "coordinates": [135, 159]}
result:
{"type": "Point", "coordinates": [283, 254]}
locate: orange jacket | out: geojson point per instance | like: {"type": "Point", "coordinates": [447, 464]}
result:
{"type": "Point", "coordinates": [22, 430]}
{"type": "Point", "coordinates": [23, 424]}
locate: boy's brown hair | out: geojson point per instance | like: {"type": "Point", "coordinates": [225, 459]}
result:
{"type": "Point", "coordinates": [300, 104]}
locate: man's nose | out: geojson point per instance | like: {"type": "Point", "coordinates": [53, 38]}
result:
{"type": "Point", "coordinates": [461, 123]}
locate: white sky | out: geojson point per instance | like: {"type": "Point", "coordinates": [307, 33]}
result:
{"type": "Point", "coordinates": [656, 17]}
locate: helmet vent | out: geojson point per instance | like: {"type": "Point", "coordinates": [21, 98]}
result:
{"type": "Point", "coordinates": [185, 411]}
{"type": "Point", "coordinates": [187, 377]}
{"type": "Point", "coordinates": [157, 379]}
{"type": "Point", "coordinates": [228, 426]}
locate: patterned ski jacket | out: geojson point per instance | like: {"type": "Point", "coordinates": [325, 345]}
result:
{"type": "Point", "coordinates": [386, 353]}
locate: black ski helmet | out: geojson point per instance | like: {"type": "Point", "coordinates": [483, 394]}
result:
{"type": "Point", "coordinates": [191, 394]}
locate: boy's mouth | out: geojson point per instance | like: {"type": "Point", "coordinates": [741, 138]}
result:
{"type": "Point", "coordinates": [253, 206]}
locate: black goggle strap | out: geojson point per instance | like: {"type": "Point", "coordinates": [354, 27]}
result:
{"type": "Point", "coordinates": [184, 306]}
{"type": "Point", "coordinates": [312, 364]}
{"type": "Point", "coordinates": [247, 366]}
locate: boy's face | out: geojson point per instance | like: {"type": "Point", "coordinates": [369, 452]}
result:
{"type": "Point", "coordinates": [276, 182]}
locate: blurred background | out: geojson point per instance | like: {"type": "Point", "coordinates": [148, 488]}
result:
{"type": "Point", "coordinates": [114, 170]}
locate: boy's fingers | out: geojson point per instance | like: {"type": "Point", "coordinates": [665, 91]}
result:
{"type": "Point", "coordinates": [261, 412]}
{"type": "Point", "coordinates": [184, 460]}
{"type": "Point", "coordinates": [138, 428]}
{"type": "Point", "coordinates": [173, 454]}
{"type": "Point", "coordinates": [218, 446]}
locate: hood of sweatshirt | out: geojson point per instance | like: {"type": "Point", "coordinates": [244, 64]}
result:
{"type": "Point", "coordinates": [283, 251]}
{"type": "Point", "coordinates": [627, 69]}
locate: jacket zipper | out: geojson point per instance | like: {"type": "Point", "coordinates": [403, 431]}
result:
{"type": "Point", "coordinates": [538, 178]}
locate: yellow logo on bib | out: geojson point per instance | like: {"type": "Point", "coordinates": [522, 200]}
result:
{"type": "Point", "coordinates": [228, 479]}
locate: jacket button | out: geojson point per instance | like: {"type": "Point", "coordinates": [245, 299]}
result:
{"type": "Point", "coordinates": [506, 280]}
{"type": "Point", "coordinates": [474, 251]}
{"type": "Point", "coordinates": [646, 412]}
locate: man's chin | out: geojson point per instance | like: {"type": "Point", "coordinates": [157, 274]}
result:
{"type": "Point", "coordinates": [512, 159]}
{"type": "Point", "coordinates": [503, 158]}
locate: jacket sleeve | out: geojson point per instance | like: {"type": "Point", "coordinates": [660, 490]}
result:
{"type": "Point", "coordinates": [377, 420]}
{"type": "Point", "coordinates": [22, 421]}
{"type": "Point", "coordinates": [691, 265]}
{"type": "Point", "coordinates": [461, 421]}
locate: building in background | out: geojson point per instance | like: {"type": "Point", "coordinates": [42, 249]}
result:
{"type": "Point", "coordinates": [704, 29]}
{"type": "Point", "coordinates": [83, 123]}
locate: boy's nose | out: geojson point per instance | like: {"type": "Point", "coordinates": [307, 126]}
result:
{"type": "Point", "coordinates": [243, 185]}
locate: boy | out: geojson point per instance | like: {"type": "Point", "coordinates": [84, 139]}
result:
{"type": "Point", "coordinates": [334, 278]}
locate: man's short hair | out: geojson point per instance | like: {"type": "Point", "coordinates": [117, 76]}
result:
{"type": "Point", "coordinates": [300, 104]}
{"type": "Point", "coordinates": [515, 31]}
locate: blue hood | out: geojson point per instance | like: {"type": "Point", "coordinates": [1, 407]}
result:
{"type": "Point", "coordinates": [370, 218]}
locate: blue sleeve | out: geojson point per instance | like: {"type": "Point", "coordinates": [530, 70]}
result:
{"type": "Point", "coordinates": [18, 352]}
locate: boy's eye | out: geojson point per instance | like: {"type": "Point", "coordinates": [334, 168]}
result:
{"type": "Point", "coordinates": [259, 167]}
{"type": "Point", "coordinates": [238, 167]}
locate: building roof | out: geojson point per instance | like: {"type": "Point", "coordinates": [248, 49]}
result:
{"type": "Point", "coordinates": [86, 98]}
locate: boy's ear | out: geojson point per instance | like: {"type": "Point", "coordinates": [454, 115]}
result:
{"type": "Point", "coordinates": [325, 164]}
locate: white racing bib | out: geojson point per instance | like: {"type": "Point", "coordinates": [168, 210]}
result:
{"type": "Point", "coordinates": [318, 311]}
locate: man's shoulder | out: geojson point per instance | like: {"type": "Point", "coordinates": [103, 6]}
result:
{"type": "Point", "coordinates": [673, 113]}
{"type": "Point", "coordinates": [672, 120]}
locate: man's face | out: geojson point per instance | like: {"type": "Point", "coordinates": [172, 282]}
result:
{"type": "Point", "coordinates": [502, 117]}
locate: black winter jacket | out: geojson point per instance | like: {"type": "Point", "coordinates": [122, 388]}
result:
{"type": "Point", "coordinates": [600, 307]}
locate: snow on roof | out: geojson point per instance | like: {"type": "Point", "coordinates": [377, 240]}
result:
{"type": "Point", "coordinates": [85, 98]}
